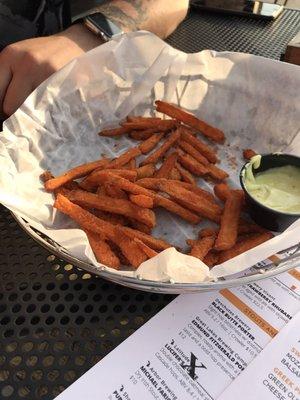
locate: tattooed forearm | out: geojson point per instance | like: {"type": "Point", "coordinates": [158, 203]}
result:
{"type": "Point", "coordinates": [158, 16]}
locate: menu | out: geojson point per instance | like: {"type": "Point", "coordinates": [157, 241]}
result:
{"type": "Point", "coordinates": [196, 346]}
{"type": "Point", "coordinates": [276, 371]}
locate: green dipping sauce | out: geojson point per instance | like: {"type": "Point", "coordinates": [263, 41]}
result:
{"type": "Point", "coordinates": [277, 188]}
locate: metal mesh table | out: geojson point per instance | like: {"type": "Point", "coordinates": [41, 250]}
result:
{"type": "Point", "coordinates": [56, 321]}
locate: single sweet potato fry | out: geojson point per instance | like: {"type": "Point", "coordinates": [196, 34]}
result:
{"type": "Point", "coordinates": [249, 227]}
{"type": "Point", "coordinates": [192, 151]}
{"type": "Point", "coordinates": [141, 200]}
{"type": "Point", "coordinates": [90, 222]}
{"type": "Point", "coordinates": [211, 259]}
{"type": "Point", "coordinates": [203, 148]}
{"type": "Point", "coordinates": [75, 173]}
{"type": "Point", "coordinates": [92, 181]}
{"type": "Point", "coordinates": [102, 251]}
{"type": "Point", "coordinates": [115, 219]}
{"type": "Point", "coordinates": [161, 151]}
{"type": "Point", "coordinates": [114, 191]}
{"type": "Point", "coordinates": [147, 250]}
{"type": "Point", "coordinates": [245, 244]}
{"type": "Point", "coordinates": [248, 154]}
{"type": "Point", "coordinates": [191, 120]}
{"type": "Point", "coordinates": [142, 135]}
{"type": "Point", "coordinates": [222, 191]}
{"type": "Point", "coordinates": [192, 165]}
{"type": "Point", "coordinates": [114, 132]}
{"type": "Point", "coordinates": [192, 201]}
{"type": "Point", "coordinates": [113, 205]}
{"type": "Point", "coordinates": [201, 247]}
{"type": "Point", "coordinates": [149, 144]}
{"type": "Point", "coordinates": [175, 173]}
{"type": "Point", "coordinates": [124, 158]}
{"type": "Point", "coordinates": [227, 235]}
{"type": "Point", "coordinates": [160, 126]}
{"type": "Point", "coordinates": [216, 172]}
{"type": "Point", "coordinates": [167, 166]}
{"type": "Point", "coordinates": [145, 171]}
{"type": "Point", "coordinates": [130, 165]}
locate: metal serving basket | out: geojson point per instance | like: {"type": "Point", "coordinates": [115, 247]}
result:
{"type": "Point", "coordinates": [263, 270]}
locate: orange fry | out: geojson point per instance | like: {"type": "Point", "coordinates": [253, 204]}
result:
{"type": "Point", "coordinates": [191, 120]}
{"type": "Point", "coordinates": [192, 165]}
{"type": "Point", "coordinates": [159, 153]}
{"type": "Point", "coordinates": [114, 219]}
{"type": "Point", "coordinates": [192, 201]}
{"type": "Point", "coordinates": [142, 135]}
{"type": "Point", "coordinates": [102, 251]}
{"type": "Point", "coordinates": [216, 173]}
{"type": "Point", "coordinates": [90, 222]}
{"type": "Point", "coordinates": [114, 191]}
{"type": "Point", "coordinates": [154, 243]}
{"type": "Point", "coordinates": [248, 154]}
{"type": "Point", "coordinates": [201, 247]}
{"type": "Point", "coordinates": [132, 118]}
{"type": "Point", "coordinates": [245, 244]}
{"type": "Point", "coordinates": [114, 132]}
{"type": "Point", "coordinates": [113, 205]}
{"type": "Point", "coordinates": [185, 174]}
{"type": "Point", "coordinates": [229, 222]}
{"type": "Point", "coordinates": [75, 173]}
{"type": "Point", "coordinates": [175, 174]}
{"type": "Point", "coordinates": [141, 200]}
{"type": "Point", "coordinates": [149, 144]}
{"type": "Point", "coordinates": [130, 165]}
{"type": "Point", "coordinates": [203, 148]}
{"type": "Point", "coordinates": [93, 181]}
{"type": "Point", "coordinates": [249, 227]}
{"type": "Point", "coordinates": [177, 209]}
{"type": "Point", "coordinates": [192, 151]}
{"type": "Point", "coordinates": [160, 126]}
{"type": "Point", "coordinates": [147, 250]}
{"type": "Point", "coordinates": [167, 166]}
{"type": "Point", "coordinates": [222, 191]}
{"type": "Point", "coordinates": [145, 171]}
{"type": "Point", "coordinates": [125, 158]}
{"type": "Point", "coordinates": [140, 227]}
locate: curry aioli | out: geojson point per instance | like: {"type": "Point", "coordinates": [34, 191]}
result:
{"type": "Point", "coordinates": [277, 188]}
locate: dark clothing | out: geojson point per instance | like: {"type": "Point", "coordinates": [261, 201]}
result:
{"type": "Point", "coordinates": [24, 19]}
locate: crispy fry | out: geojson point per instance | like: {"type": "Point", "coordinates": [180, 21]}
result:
{"type": "Point", "coordinates": [222, 191]}
{"type": "Point", "coordinates": [211, 259]}
{"type": "Point", "coordinates": [102, 251]}
{"type": "Point", "coordinates": [160, 126]}
{"type": "Point", "coordinates": [185, 174]}
{"type": "Point", "coordinates": [159, 153]}
{"type": "Point", "coordinates": [114, 219]}
{"type": "Point", "coordinates": [177, 209]}
{"type": "Point", "coordinates": [75, 173]}
{"type": "Point", "coordinates": [92, 181]}
{"type": "Point", "coordinates": [249, 227]}
{"type": "Point", "coordinates": [248, 154]}
{"type": "Point", "coordinates": [141, 200]}
{"type": "Point", "coordinates": [167, 166]}
{"type": "Point", "coordinates": [216, 172]}
{"type": "Point", "coordinates": [114, 191]}
{"type": "Point", "coordinates": [140, 227]}
{"type": "Point", "coordinates": [125, 158]}
{"type": "Point", "coordinates": [192, 151]}
{"type": "Point", "coordinates": [130, 165]}
{"type": "Point", "coordinates": [192, 165]}
{"type": "Point", "coordinates": [145, 171]}
{"type": "Point", "coordinates": [245, 244]}
{"type": "Point", "coordinates": [149, 144]}
{"type": "Point", "coordinates": [192, 201]}
{"type": "Point", "coordinates": [90, 222]}
{"type": "Point", "coordinates": [203, 148]}
{"type": "Point", "coordinates": [227, 235]}
{"type": "Point", "coordinates": [208, 232]}
{"type": "Point", "coordinates": [114, 132]}
{"type": "Point", "coordinates": [201, 247]}
{"type": "Point", "coordinates": [154, 243]}
{"type": "Point", "coordinates": [175, 174]}
{"type": "Point", "coordinates": [147, 250]}
{"type": "Point", "coordinates": [113, 205]}
{"type": "Point", "coordinates": [191, 120]}
{"type": "Point", "coordinates": [142, 135]}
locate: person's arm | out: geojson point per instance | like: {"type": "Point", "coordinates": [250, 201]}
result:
{"type": "Point", "coordinates": [26, 64]}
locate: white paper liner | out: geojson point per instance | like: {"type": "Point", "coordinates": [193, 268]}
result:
{"type": "Point", "coordinates": [255, 101]}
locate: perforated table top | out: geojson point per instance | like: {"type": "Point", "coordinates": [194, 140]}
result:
{"type": "Point", "coordinates": [57, 321]}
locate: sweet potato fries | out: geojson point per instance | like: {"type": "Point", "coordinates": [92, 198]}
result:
{"type": "Point", "coordinates": [115, 201]}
